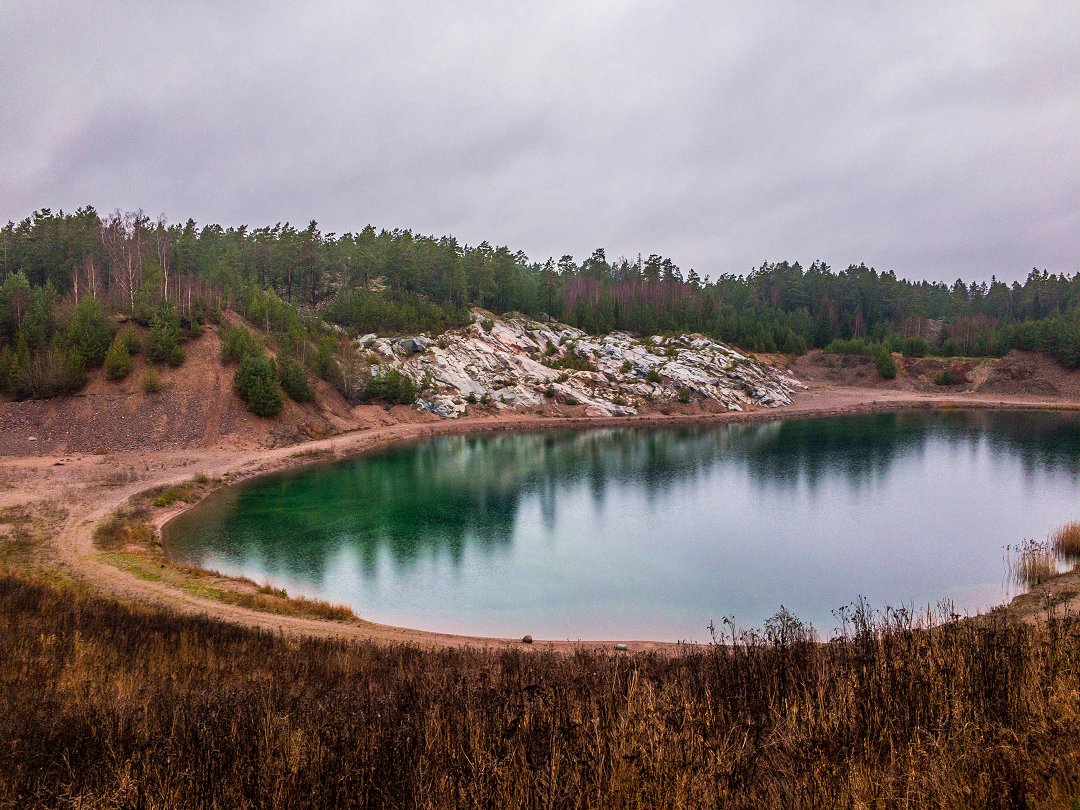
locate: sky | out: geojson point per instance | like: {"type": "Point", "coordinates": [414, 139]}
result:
{"type": "Point", "coordinates": [937, 140]}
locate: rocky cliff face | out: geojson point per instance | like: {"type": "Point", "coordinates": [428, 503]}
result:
{"type": "Point", "coordinates": [517, 362]}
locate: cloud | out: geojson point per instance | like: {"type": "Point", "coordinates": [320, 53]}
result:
{"type": "Point", "coordinates": [935, 140]}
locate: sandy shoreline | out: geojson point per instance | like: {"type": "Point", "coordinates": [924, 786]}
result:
{"type": "Point", "coordinates": [92, 487]}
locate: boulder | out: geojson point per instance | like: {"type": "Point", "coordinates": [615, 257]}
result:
{"type": "Point", "coordinates": [442, 405]}
{"type": "Point", "coordinates": [415, 345]}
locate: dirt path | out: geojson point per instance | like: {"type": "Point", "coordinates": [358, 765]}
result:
{"type": "Point", "coordinates": [215, 409]}
{"type": "Point", "coordinates": [90, 487]}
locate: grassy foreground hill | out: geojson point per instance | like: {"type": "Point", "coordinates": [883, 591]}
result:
{"type": "Point", "coordinates": [108, 705]}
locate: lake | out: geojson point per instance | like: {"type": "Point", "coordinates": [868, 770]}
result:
{"type": "Point", "coordinates": [635, 533]}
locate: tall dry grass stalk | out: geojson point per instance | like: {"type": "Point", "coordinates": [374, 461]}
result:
{"type": "Point", "coordinates": [1066, 539]}
{"type": "Point", "coordinates": [108, 705]}
{"type": "Point", "coordinates": [1032, 563]}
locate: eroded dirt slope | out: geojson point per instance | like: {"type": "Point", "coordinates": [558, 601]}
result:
{"type": "Point", "coordinates": [196, 407]}
{"type": "Point", "coordinates": [1019, 373]}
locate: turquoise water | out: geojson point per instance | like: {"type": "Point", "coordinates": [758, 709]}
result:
{"type": "Point", "coordinates": [653, 533]}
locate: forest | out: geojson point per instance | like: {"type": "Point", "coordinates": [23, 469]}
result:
{"type": "Point", "coordinates": [69, 282]}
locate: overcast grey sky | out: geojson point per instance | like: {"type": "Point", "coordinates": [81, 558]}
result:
{"type": "Point", "coordinates": [935, 139]}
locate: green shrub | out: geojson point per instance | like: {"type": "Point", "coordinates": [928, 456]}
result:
{"type": "Point", "coordinates": [131, 341]}
{"type": "Point", "coordinates": [255, 382]}
{"type": "Point", "coordinates": [859, 346]}
{"type": "Point", "coordinates": [652, 375]}
{"type": "Point", "coordinates": [684, 395]}
{"type": "Point", "coordinates": [74, 371]}
{"type": "Point", "coordinates": [49, 372]}
{"type": "Point", "coordinates": [89, 331]}
{"type": "Point", "coordinates": [7, 367]}
{"type": "Point", "coordinates": [326, 365]}
{"type": "Point", "coordinates": [237, 343]}
{"type": "Point", "coordinates": [793, 343]}
{"type": "Point", "coordinates": [572, 362]}
{"type": "Point", "coordinates": [392, 386]}
{"type": "Point", "coordinates": [163, 342]}
{"type": "Point", "coordinates": [945, 377]}
{"type": "Point", "coordinates": [915, 347]}
{"type": "Point", "coordinates": [166, 496]}
{"type": "Point", "coordinates": [117, 359]}
{"type": "Point", "coordinates": [293, 380]}
{"type": "Point", "coordinates": [886, 366]}
{"type": "Point", "coordinates": [151, 381]}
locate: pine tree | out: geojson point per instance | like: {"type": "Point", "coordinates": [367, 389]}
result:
{"type": "Point", "coordinates": [256, 384]}
{"type": "Point", "coordinates": [886, 366]}
{"type": "Point", "coordinates": [89, 332]}
{"type": "Point", "coordinates": [118, 359]}
{"type": "Point", "coordinates": [294, 380]}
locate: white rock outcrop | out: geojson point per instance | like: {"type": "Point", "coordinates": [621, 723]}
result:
{"type": "Point", "coordinates": [513, 361]}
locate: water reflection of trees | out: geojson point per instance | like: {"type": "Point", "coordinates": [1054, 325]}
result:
{"type": "Point", "coordinates": [859, 447]}
{"type": "Point", "coordinates": [435, 499]}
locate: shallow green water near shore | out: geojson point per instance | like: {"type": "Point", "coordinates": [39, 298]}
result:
{"type": "Point", "coordinates": [653, 533]}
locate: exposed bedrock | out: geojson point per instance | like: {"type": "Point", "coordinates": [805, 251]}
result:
{"type": "Point", "coordinates": [514, 362]}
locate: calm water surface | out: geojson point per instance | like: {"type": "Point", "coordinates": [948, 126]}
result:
{"type": "Point", "coordinates": [634, 533]}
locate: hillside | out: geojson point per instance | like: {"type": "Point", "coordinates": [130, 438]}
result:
{"type": "Point", "coordinates": [196, 407]}
{"type": "Point", "coordinates": [495, 365]}
{"type": "Point", "coordinates": [517, 362]}
{"type": "Point", "coordinates": [1020, 373]}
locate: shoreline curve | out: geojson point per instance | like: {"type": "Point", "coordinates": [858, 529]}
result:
{"type": "Point", "coordinates": [72, 549]}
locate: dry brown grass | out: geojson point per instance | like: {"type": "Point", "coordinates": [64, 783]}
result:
{"type": "Point", "coordinates": [219, 587]}
{"type": "Point", "coordinates": [117, 478]}
{"type": "Point", "coordinates": [1032, 563]}
{"type": "Point", "coordinates": [17, 536]}
{"type": "Point", "coordinates": [1066, 539]}
{"type": "Point", "coordinates": [317, 431]}
{"type": "Point", "coordinates": [187, 491]}
{"type": "Point", "coordinates": [314, 453]}
{"type": "Point", "coordinates": [25, 531]}
{"type": "Point", "coordinates": [275, 600]}
{"type": "Point", "coordinates": [106, 705]}
{"type": "Point", "coordinates": [126, 527]}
